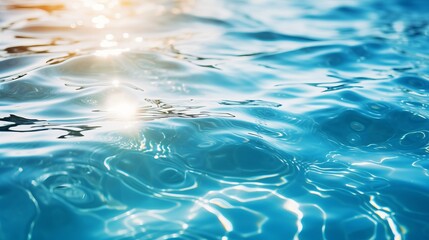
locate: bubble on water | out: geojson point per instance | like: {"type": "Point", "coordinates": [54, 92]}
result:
{"type": "Point", "coordinates": [354, 138]}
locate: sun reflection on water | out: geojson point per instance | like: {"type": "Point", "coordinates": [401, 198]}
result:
{"type": "Point", "coordinates": [121, 107]}
{"type": "Point", "coordinates": [100, 21]}
{"type": "Point", "coordinates": [110, 52]}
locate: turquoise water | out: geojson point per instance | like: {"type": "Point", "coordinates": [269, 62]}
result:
{"type": "Point", "coordinates": [214, 119]}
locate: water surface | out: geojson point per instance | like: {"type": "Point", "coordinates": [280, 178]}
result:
{"type": "Point", "coordinates": [185, 119]}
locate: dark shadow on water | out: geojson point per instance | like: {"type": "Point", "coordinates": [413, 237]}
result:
{"type": "Point", "coordinates": [35, 125]}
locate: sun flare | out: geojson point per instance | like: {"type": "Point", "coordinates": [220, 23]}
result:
{"type": "Point", "coordinates": [121, 107]}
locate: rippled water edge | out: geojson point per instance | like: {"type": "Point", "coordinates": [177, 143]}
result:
{"type": "Point", "coordinates": [203, 120]}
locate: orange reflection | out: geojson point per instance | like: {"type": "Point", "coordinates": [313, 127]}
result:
{"type": "Point", "coordinates": [104, 20]}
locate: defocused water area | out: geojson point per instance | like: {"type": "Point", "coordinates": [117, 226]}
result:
{"type": "Point", "coordinates": [214, 119]}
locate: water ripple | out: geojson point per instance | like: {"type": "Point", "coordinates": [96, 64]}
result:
{"type": "Point", "coordinates": [184, 119]}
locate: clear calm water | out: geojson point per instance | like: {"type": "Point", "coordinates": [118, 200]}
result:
{"type": "Point", "coordinates": [214, 119]}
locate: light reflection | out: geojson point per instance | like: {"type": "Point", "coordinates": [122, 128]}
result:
{"type": "Point", "coordinates": [100, 21]}
{"type": "Point", "coordinates": [293, 206]}
{"type": "Point", "coordinates": [107, 44]}
{"type": "Point", "coordinates": [227, 225]}
{"type": "Point", "coordinates": [107, 16]}
{"type": "Point", "coordinates": [110, 52]}
{"type": "Point", "coordinates": [98, 7]}
{"type": "Point", "coordinates": [116, 83]}
{"type": "Point", "coordinates": [137, 221]}
{"type": "Point", "coordinates": [385, 214]}
{"type": "Point", "coordinates": [121, 107]}
{"type": "Point", "coordinates": [237, 199]}
{"type": "Point", "coordinates": [101, 5]}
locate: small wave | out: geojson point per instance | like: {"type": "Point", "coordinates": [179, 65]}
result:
{"type": "Point", "coordinates": [182, 119]}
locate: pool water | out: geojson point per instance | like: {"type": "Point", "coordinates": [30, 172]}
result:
{"type": "Point", "coordinates": [214, 119]}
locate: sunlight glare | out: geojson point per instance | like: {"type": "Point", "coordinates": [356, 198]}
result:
{"type": "Point", "coordinates": [116, 83]}
{"type": "Point", "coordinates": [121, 107]}
{"type": "Point", "coordinates": [100, 21]}
{"type": "Point", "coordinates": [110, 52]}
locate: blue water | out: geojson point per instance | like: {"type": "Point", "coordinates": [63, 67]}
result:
{"type": "Point", "coordinates": [214, 119]}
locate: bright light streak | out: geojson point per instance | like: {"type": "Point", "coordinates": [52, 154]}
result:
{"type": "Point", "coordinates": [110, 52]}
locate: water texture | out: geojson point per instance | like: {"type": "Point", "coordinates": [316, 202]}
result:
{"type": "Point", "coordinates": [214, 119]}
